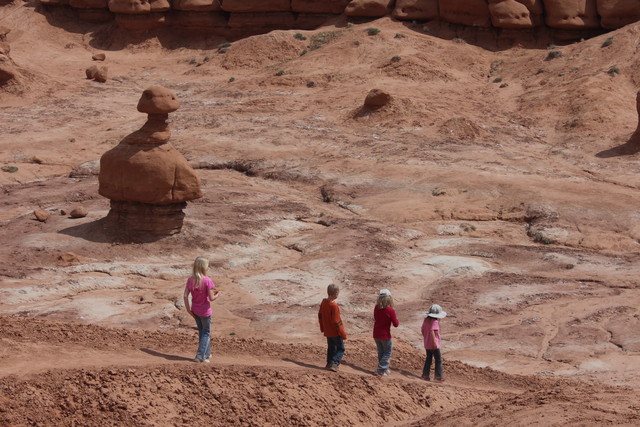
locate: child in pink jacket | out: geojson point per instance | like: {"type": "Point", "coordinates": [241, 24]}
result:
{"type": "Point", "coordinates": [431, 335]}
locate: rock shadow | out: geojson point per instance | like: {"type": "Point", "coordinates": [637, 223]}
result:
{"type": "Point", "coordinates": [103, 231]}
{"type": "Point", "coordinates": [627, 149]}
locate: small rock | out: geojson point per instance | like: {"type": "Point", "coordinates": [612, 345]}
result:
{"type": "Point", "coordinates": [377, 98]}
{"type": "Point", "coordinates": [63, 212]}
{"type": "Point", "coordinates": [78, 212]}
{"type": "Point", "coordinates": [41, 215]}
{"type": "Point", "coordinates": [99, 57]}
{"type": "Point", "coordinates": [101, 75]}
{"type": "Point", "coordinates": [68, 257]}
{"type": "Point", "coordinates": [91, 71]}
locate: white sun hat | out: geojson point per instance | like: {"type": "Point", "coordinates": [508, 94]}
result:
{"type": "Point", "coordinates": [436, 311]}
{"type": "Point", "coordinates": [385, 292]}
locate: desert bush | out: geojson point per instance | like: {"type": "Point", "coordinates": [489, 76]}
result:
{"type": "Point", "coordinates": [395, 58]}
{"type": "Point", "coordinates": [437, 192]}
{"type": "Point", "coordinates": [613, 71]}
{"type": "Point", "coordinates": [304, 52]}
{"type": "Point", "coordinates": [322, 38]}
{"type": "Point", "coordinates": [280, 73]}
{"type": "Point", "coordinates": [458, 40]}
{"type": "Point", "coordinates": [372, 31]}
{"type": "Point", "coordinates": [232, 79]}
{"type": "Point", "coordinates": [541, 238]}
{"type": "Point", "coordinates": [299, 36]}
{"type": "Point", "coordinates": [10, 169]}
{"type": "Point", "coordinates": [554, 54]}
{"type": "Point", "coordinates": [607, 42]}
{"type": "Point", "coordinates": [311, 83]}
{"type": "Point", "coordinates": [497, 80]}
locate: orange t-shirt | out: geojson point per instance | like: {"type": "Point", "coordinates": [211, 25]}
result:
{"type": "Point", "coordinates": [330, 321]}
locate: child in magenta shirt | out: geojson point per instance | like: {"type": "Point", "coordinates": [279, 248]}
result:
{"type": "Point", "coordinates": [431, 335]}
{"type": "Point", "coordinates": [200, 287]}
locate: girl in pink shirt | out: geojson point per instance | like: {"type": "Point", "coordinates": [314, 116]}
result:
{"type": "Point", "coordinates": [431, 336]}
{"type": "Point", "coordinates": [200, 287]}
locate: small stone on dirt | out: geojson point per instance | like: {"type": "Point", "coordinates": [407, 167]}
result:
{"type": "Point", "coordinates": [41, 215]}
{"type": "Point", "coordinates": [79, 212]}
{"type": "Point", "coordinates": [99, 57]}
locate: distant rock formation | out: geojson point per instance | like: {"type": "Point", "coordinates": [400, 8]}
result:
{"type": "Point", "coordinates": [10, 78]}
{"type": "Point", "coordinates": [147, 180]}
{"type": "Point", "coordinates": [230, 18]}
{"type": "Point", "coordinates": [635, 138]}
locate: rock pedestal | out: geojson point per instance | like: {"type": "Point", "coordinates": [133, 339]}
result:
{"type": "Point", "coordinates": [147, 180]}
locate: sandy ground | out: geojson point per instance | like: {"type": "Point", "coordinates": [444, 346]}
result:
{"type": "Point", "coordinates": [499, 185]}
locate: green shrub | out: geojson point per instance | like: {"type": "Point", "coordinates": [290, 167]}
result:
{"type": "Point", "coordinates": [299, 36]}
{"type": "Point", "coordinates": [497, 80]}
{"type": "Point", "coordinates": [613, 71]}
{"type": "Point", "coordinates": [554, 54]}
{"type": "Point", "coordinates": [607, 42]}
{"type": "Point", "coordinates": [395, 58]}
{"type": "Point", "coordinates": [322, 38]}
{"type": "Point", "coordinates": [437, 192]}
{"type": "Point", "coordinates": [280, 73]}
{"type": "Point", "coordinates": [10, 169]}
{"type": "Point", "coordinates": [458, 40]}
{"type": "Point", "coordinates": [541, 238]}
{"type": "Point", "coordinates": [311, 83]}
{"type": "Point", "coordinates": [304, 52]}
{"type": "Point", "coordinates": [372, 31]}
{"type": "Point", "coordinates": [232, 79]}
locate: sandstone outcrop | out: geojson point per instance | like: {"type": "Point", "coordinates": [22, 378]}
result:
{"type": "Point", "coordinates": [147, 180]}
{"type": "Point", "coordinates": [474, 13]}
{"type": "Point", "coordinates": [571, 14]}
{"type": "Point", "coordinates": [416, 9]}
{"type": "Point", "coordinates": [369, 8]}
{"type": "Point", "coordinates": [248, 17]}
{"type": "Point", "coordinates": [635, 138]}
{"type": "Point", "coordinates": [618, 13]}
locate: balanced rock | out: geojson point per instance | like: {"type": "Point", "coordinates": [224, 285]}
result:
{"type": "Point", "coordinates": [147, 180]}
{"type": "Point", "coordinates": [377, 98]}
{"type": "Point", "coordinates": [510, 14]}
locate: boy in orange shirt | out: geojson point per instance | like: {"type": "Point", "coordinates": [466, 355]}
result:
{"type": "Point", "coordinates": [331, 326]}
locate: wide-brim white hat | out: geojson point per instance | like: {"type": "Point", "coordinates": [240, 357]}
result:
{"type": "Point", "coordinates": [385, 292]}
{"type": "Point", "coordinates": [436, 312]}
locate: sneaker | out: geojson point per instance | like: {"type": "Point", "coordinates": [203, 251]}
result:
{"type": "Point", "coordinates": [334, 368]}
{"type": "Point", "coordinates": [328, 366]}
{"type": "Point", "coordinates": [439, 380]}
{"type": "Point", "coordinates": [206, 361]}
{"type": "Point", "coordinates": [425, 378]}
{"type": "Point", "coordinates": [197, 360]}
{"type": "Point", "coordinates": [387, 372]}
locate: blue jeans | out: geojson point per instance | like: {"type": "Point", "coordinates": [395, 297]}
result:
{"type": "Point", "coordinates": [204, 337]}
{"type": "Point", "coordinates": [335, 350]}
{"type": "Point", "coordinates": [384, 354]}
{"type": "Point", "coordinates": [433, 354]}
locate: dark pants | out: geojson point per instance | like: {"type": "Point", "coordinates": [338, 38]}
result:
{"type": "Point", "coordinates": [431, 354]}
{"type": "Point", "coordinates": [335, 350]}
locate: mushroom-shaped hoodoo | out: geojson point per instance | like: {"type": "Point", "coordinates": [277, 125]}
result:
{"type": "Point", "coordinates": [147, 180]}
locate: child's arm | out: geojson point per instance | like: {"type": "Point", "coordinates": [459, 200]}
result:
{"type": "Point", "coordinates": [394, 318]}
{"type": "Point", "coordinates": [186, 302]}
{"type": "Point", "coordinates": [320, 319]}
{"type": "Point", "coordinates": [338, 323]}
{"type": "Point", "coordinates": [213, 295]}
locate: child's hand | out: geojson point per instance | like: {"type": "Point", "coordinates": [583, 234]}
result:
{"type": "Point", "coordinates": [216, 294]}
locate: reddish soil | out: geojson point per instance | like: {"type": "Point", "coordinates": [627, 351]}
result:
{"type": "Point", "coordinates": [500, 185]}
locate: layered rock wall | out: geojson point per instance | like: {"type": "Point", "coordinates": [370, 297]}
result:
{"type": "Point", "coordinates": [241, 17]}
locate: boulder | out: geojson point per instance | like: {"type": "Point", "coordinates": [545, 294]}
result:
{"type": "Point", "coordinates": [335, 7]}
{"type": "Point", "coordinates": [41, 215]}
{"type": "Point", "coordinates": [571, 14]}
{"type": "Point", "coordinates": [78, 212]}
{"type": "Point", "coordinates": [377, 98]}
{"type": "Point", "coordinates": [420, 10]}
{"type": "Point", "coordinates": [509, 14]}
{"type": "Point", "coordinates": [474, 13]}
{"type": "Point", "coordinates": [246, 6]}
{"type": "Point", "coordinates": [618, 13]}
{"type": "Point", "coordinates": [96, 73]}
{"type": "Point", "coordinates": [369, 8]}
